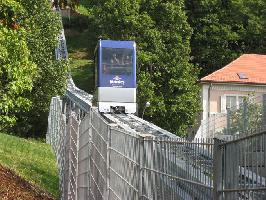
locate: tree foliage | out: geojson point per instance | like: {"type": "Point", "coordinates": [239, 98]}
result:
{"type": "Point", "coordinates": [43, 27]}
{"type": "Point", "coordinates": [16, 69]}
{"type": "Point", "coordinates": [165, 76]}
{"type": "Point", "coordinates": [30, 75]}
{"type": "Point", "coordinates": [247, 118]}
{"type": "Point", "coordinates": [224, 29]}
{"type": "Point", "coordinates": [64, 3]}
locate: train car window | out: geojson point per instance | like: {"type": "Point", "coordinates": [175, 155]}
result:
{"type": "Point", "coordinates": [117, 61]}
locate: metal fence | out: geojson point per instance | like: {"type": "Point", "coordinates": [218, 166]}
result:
{"type": "Point", "coordinates": [250, 116]}
{"type": "Point", "coordinates": [177, 169]}
{"type": "Point", "coordinates": [98, 160]}
{"type": "Point", "coordinates": [240, 168]}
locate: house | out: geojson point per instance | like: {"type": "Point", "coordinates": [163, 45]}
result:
{"type": "Point", "coordinates": [227, 87]}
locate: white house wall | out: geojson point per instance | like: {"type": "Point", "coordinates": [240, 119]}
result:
{"type": "Point", "coordinates": [219, 90]}
{"type": "Point", "coordinates": [212, 93]}
{"type": "Point", "coordinates": [205, 101]}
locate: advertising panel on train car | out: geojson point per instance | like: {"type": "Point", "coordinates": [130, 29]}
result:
{"type": "Point", "coordinates": [115, 67]}
{"type": "Point", "coordinates": [117, 64]}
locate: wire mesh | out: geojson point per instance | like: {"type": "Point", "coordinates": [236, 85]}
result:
{"type": "Point", "coordinates": [98, 157]}
{"type": "Point", "coordinates": [57, 138]}
{"type": "Point", "coordinates": [124, 168]}
{"type": "Point", "coordinates": [83, 158]}
{"type": "Point", "coordinates": [177, 169]}
{"type": "Point", "coordinates": [73, 127]}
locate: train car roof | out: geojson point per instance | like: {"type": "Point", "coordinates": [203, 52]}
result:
{"type": "Point", "coordinates": [117, 44]}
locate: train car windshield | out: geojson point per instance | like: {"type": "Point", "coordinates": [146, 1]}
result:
{"type": "Point", "coordinates": [117, 61]}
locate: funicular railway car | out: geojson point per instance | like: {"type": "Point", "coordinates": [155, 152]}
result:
{"type": "Point", "coordinates": [115, 68]}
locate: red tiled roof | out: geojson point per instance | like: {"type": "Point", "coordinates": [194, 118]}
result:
{"type": "Point", "coordinates": [253, 66]}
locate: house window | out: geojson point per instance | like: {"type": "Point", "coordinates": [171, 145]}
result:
{"type": "Point", "coordinates": [230, 102]}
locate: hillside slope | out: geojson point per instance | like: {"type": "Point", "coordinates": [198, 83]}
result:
{"type": "Point", "coordinates": [14, 187]}
{"type": "Point", "coordinates": [32, 160]}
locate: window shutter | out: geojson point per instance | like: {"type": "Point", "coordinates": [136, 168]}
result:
{"type": "Point", "coordinates": [223, 104]}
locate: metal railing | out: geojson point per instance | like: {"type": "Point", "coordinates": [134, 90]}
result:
{"type": "Point", "coordinates": [98, 160]}
{"type": "Point", "coordinates": [177, 169]}
{"type": "Point", "coordinates": [241, 167]}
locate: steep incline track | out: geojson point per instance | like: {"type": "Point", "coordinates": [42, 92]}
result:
{"type": "Point", "coordinates": [138, 125]}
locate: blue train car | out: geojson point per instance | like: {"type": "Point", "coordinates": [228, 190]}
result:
{"type": "Point", "coordinates": [115, 63]}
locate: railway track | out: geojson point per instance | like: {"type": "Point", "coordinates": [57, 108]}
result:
{"type": "Point", "coordinates": [133, 123]}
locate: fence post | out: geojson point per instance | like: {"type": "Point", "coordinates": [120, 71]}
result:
{"type": "Point", "coordinates": [63, 170]}
{"type": "Point", "coordinates": [141, 160]}
{"type": "Point", "coordinates": [77, 156]}
{"type": "Point", "coordinates": [264, 112]}
{"type": "Point", "coordinates": [109, 145]}
{"type": "Point", "coordinates": [228, 132]}
{"type": "Point", "coordinates": [69, 155]}
{"type": "Point", "coordinates": [217, 169]}
{"type": "Point", "coordinates": [245, 116]}
{"type": "Point", "coordinates": [89, 151]}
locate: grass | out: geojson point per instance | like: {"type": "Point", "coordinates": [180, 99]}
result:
{"type": "Point", "coordinates": [32, 160]}
{"type": "Point", "coordinates": [81, 66]}
{"type": "Point", "coordinates": [82, 73]}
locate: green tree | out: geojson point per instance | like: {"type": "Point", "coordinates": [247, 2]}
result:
{"type": "Point", "coordinates": [165, 76]}
{"type": "Point", "coordinates": [63, 3]}
{"type": "Point", "coordinates": [43, 27]}
{"type": "Point", "coordinates": [224, 29]}
{"type": "Point", "coordinates": [16, 69]}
